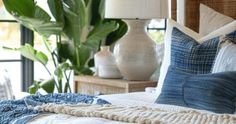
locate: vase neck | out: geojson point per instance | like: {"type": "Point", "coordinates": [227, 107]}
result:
{"type": "Point", "coordinates": [137, 25]}
{"type": "Point", "coordinates": [105, 48]}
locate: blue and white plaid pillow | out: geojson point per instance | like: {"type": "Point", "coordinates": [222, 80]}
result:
{"type": "Point", "coordinates": [212, 92]}
{"type": "Point", "coordinates": [188, 55]}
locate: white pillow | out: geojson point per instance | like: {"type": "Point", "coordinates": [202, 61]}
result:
{"type": "Point", "coordinates": [211, 20]}
{"type": "Point", "coordinates": [167, 49]}
{"type": "Point", "coordinates": [221, 31]}
{"type": "Point", "coordinates": [226, 58]}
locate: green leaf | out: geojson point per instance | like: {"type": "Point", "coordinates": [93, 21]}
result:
{"type": "Point", "coordinates": [98, 11]}
{"type": "Point", "coordinates": [91, 62]}
{"type": "Point", "coordinates": [42, 58]}
{"type": "Point", "coordinates": [48, 85]}
{"type": "Point", "coordinates": [33, 17]}
{"type": "Point", "coordinates": [34, 88]}
{"type": "Point", "coordinates": [117, 34]}
{"type": "Point", "coordinates": [65, 66]}
{"type": "Point", "coordinates": [85, 20]}
{"type": "Point", "coordinates": [59, 73]}
{"type": "Point", "coordinates": [56, 9]}
{"type": "Point", "coordinates": [66, 50]}
{"type": "Point", "coordinates": [29, 52]}
{"type": "Point", "coordinates": [82, 13]}
{"type": "Point", "coordinates": [45, 28]}
{"type": "Point", "coordinates": [84, 54]}
{"type": "Point", "coordinates": [61, 69]}
{"type": "Point", "coordinates": [99, 33]}
{"type": "Point", "coordinates": [20, 7]}
{"type": "Point", "coordinates": [102, 9]}
{"type": "Point", "coordinates": [83, 71]}
{"type": "Point", "coordinates": [72, 29]}
{"type": "Point", "coordinates": [41, 14]}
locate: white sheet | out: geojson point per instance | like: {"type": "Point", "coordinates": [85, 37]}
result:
{"type": "Point", "coordinates": [130, 99]}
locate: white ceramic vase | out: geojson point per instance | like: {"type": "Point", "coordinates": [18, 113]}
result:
{"type": "Point", "coordinates": [135, 53]}
{"type": "Point", "coordinates": [105, 64]}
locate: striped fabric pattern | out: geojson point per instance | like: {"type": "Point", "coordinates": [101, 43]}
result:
{"type": "Point", "coordinates": [212, 92]}
{"type": "Point", "coordinates": [190, 56]}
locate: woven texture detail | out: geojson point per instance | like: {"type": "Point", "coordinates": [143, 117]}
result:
{"type": "Point", "coordinates": [20, 111]}
{"type": "Point", "coordinates": [140, 115]}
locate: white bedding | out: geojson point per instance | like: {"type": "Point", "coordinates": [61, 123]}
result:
{"type": "Point", "coordinates": [139, 98]}
{"type": "Point", "coordinates": [130, 99]}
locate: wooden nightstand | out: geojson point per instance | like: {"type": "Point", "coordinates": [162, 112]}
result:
{"type": "Point", "coordinates": [96, 86]}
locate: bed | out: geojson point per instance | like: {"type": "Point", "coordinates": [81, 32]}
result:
{"type": "Point", "coordinates": [130, 99]}
{"type": "Point", "coordinates": [159, 107]}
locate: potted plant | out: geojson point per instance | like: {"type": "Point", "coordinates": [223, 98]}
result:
{"type": "Point", "coordinates": [79, 27]}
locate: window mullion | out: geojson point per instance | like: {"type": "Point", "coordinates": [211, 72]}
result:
{"type": "Point", "coordinates": [27, 36]}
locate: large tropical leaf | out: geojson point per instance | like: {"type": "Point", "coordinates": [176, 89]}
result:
{"type": "Point", "coordinates": [101, 9]}
{"type": "Point", "coordinates": [85, 20]}
{"type": "Point", "coordinates": [48, 85]}
{"type": "Point", "coordinates": [33, 17]}
{"type": "Point", "coordinates": [29, 52]}
{"type": "Point", "coordinates": [117, 34]}
{"type": "Point", "coordinates": [84, 55]}
{"type": "Point", "coordinates": [99, 33]}
{"type": "Point", "coordinates": [20, 7]}
{"type": "Point", "coordinates": [66, 51]}
{"type": "Point", "coordinates": [56, 9]}
{"type": "Point", "coordinates": [72, 27]}
{"type": "Point", "coordinates": [39, 13]}
{"type": "Point", "coordinates": [45, 28]}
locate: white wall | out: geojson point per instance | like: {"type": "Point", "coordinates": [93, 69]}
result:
{"type": "Point", "coordinates": [181, 11]}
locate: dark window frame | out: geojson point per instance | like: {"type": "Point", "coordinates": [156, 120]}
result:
{"type": "Point", "coordinates": [27, 66]}
{"type": "Point", "coordinates": [159, 29]}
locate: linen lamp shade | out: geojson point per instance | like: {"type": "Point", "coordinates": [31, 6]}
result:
{"type": "Point", "coordinates": [136, 9]}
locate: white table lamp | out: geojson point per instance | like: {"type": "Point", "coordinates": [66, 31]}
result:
{"type": "Point", "coordinates": [135, 52]}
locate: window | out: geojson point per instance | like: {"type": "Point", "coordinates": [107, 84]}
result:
{"type": "Point", "coordinates": [156, 29]}
{"type": "Point", "coordinates": [40, 73]}
{"type": "Point", "coordinates": [12, 34]}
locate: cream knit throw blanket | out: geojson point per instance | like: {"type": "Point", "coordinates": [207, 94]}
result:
{"type": "Point", "coordinates": [140, 115]}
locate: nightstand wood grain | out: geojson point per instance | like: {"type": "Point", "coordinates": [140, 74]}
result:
{"type": "Point", "coordinates": [94, 85]}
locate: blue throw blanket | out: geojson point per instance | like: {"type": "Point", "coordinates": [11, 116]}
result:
{"type": "Point", "coordinates": [21, 111]}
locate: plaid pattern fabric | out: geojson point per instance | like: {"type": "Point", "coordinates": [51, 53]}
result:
{"type": "Point", "coordinates": [212, 92]}
{"type": "Point", "coordinates": [190, 56]}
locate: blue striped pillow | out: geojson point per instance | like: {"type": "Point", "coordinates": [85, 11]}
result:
{"type": "Point", "coordinates": [212, 92]}
{"type": "Point", "coordinates": [187, 54]}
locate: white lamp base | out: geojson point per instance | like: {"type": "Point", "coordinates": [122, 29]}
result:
{"type": "Point", "coordinates": [135, 53]}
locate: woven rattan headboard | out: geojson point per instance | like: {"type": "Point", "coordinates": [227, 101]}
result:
{"type": "Point", "coordinates": [226, 7]}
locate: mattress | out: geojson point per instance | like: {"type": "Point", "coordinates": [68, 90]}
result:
{"type": "Point", "coordinates": [129, 99]}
